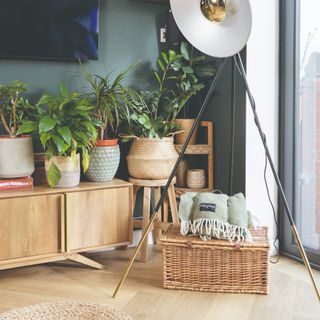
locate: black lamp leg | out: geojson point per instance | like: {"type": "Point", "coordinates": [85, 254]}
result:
{"type": "Point", "coordinates": [239, 64]}
{"type": "Point", "coordinates": [173, 173]}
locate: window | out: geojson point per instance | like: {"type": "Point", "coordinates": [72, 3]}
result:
{"type": "Point", "coordinates": [300, 122]}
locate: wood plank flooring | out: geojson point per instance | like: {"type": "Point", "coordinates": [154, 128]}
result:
{"type": "Point", "coordinates": [291, 296]}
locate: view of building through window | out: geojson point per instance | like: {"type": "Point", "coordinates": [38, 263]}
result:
{"type": "Point", "coordinates": [308, 137]}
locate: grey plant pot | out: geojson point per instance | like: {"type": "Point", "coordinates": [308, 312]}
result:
{"type": "Point", "coordinates": [104, 163]}
{"type": "Point", "coordinates": [16, 157]}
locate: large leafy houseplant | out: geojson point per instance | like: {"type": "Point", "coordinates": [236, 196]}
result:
{"type": "Point", "coordinates": [110, 101]}
{"type": "Point", "coordinates": [153, 112]}
{"type": "Point", "coordinates": [65, 125]}
{"type": "Point", "coordinates": [152, 122]}
{"type": "Point", "coordinates": [11, 107]}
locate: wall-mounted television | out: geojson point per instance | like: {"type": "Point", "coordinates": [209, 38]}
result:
{"type": "Point", "coordinates": [49, 29]}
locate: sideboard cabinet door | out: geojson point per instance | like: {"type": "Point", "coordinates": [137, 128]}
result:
{"type": "Point", "coordinates": [30, 226]}
{"type": "Point", "coordinates": [98, 218]}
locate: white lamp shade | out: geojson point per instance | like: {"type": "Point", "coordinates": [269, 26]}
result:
{"type": "Point", "coordinates": [219, 40]}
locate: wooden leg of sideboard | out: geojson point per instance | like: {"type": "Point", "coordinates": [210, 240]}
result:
{"type": "Point", "coordinates": [84, 260]}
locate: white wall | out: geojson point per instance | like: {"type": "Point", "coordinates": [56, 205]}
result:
{"type": "Point", "coordinates": [262, 70]}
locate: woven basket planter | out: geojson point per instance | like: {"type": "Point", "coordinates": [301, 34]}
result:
{"type": "Point", "coordinates": [190, 263]}
{"type": "Point", "coordinates": [151, 158]}
{"type": "Point", "coordinates": [104, 163]}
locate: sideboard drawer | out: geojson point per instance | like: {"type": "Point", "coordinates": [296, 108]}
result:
{"type": "Point", "coordinates": [30, 226]}
{"type": "Point", "coordinates": [98, 218]}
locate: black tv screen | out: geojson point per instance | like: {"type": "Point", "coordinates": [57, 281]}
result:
{"type": "Point", "coordinates": [49, 29]}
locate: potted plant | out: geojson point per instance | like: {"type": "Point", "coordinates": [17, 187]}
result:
{"type": "Point", "coordinates": [64, 124]}
{"type": "Point", "coordinates": [152, 121]}
{"type": "Point", "coordinates": [16, 150]}
{"type": "Point", "coordinates": [110, 102]}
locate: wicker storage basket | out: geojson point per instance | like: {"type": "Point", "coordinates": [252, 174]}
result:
{"type": "Point", "coordinates": [190, 263]}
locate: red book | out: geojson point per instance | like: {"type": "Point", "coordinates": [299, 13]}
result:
{"type": "Point", "coordinates": [16, 183]}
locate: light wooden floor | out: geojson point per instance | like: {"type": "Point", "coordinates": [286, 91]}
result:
{"type": "Point", "coordinates": [142, 297]}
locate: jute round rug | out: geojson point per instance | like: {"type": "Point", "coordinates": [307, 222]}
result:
{"type": "Point", "coordinates": [65, 311]}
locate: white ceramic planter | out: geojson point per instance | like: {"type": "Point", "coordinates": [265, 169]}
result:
{"type": "Point", "coordinates": [70, 171]}
{"type": "Point", "coordinates": [16, 157]}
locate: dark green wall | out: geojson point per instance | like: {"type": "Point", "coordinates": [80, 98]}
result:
{"type": "Point", "coordinates": [229, 91]}
{"type": "Point", "coordinates": [127, 35]}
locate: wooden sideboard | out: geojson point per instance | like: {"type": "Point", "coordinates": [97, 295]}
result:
{"type": "Point", "coordinates": [43, 225]}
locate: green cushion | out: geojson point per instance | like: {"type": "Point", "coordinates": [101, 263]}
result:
{"type": "Point", "coordinates": [212, 215]}
{"type": "Point", "coordinates": [237, 211]}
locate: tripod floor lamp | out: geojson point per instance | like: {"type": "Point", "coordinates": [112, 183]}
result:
{"type": "Point", "coordinates": [220, 28]}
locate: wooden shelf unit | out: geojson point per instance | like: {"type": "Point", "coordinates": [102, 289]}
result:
{"type": "Point", "coordinates": [201, 149]}
{"type": "Point", "coordinates": [42, 225]}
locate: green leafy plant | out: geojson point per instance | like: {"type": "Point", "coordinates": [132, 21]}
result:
{"type": "Point", "coordinates": [153, 112]}
{"type": "Point", "coordinates": [12, 109]}
{"type": "Point", "coordinates": [64, 124]}
{"type": "Point", "coordinates": [111, 101]}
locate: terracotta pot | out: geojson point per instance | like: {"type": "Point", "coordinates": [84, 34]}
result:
{"type": "Point", "coordinates": [152, 158]}
{"type": "Point", "coordinates": [185, 125]}
{"type": "Point", "coordinates": [106, 143]}
{"type": "Point", "coordinates": [16, 157]}
{"type": "Point", "coordinates": [70, 171]}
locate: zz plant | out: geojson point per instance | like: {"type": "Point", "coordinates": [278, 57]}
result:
{"type": "Point", "coordinates": [64, 124]}
{"type": "Point", "coordinates": [154, 112]}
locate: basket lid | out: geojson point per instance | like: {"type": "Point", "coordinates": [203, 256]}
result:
{"type": "Point", "coordinates": [173, 236]}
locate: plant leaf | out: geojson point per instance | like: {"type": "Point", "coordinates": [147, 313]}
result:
{"type": "Point", "coordinates": [28, 127]}
{"type": "Point", "coordinates": [44, 137]}
{"type": "Point", "coordinates": [198, 59]}
{"type": "Point", "coordinates": [185, 51]}
{"type": "Point", "coordinates": [63, 90]}
{"type": "Point", "coordinates": [59, 143]}
{"type": "Point", "coordinates": [161, 65]}
{"type": "Point", "coordinates": [187, 70]}
{"type": "Point", "coordinates": [53, 176]}
{"type": "Point", "coordinates": [46, 124]}
{"type": "Point", "coordinates": [165, 57]}
{"type": "Point", "coordinates": [157, 76]}
{"type": "Point", "coordinates": [44, 100]}
{"type": "Point", "coordinates": [172, 55]}
{"type": "Point", "coordinates": [65, 133]}
{"type": "Point", "coordinates": [85, 160]}
{"type": "Point", "coordinates": [176, 65]}
{"type": "Point", "coordinates": [205, 71]}
{"type": "Point", "coordinates": [74, 157]}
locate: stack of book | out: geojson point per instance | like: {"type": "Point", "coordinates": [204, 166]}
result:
{"type": "Point", "coordinates": [39, 174]}
{"type": "Point", "coordinates": [16, 183]}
